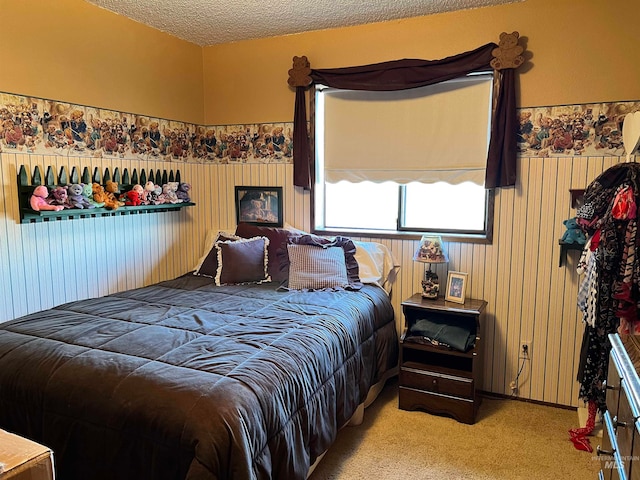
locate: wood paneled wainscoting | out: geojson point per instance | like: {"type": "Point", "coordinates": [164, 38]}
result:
{"type": "Point", "coordinates": [529, 298]}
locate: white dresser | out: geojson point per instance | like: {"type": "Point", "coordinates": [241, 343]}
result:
{"type": "Point", "coordinates": [620, 448]}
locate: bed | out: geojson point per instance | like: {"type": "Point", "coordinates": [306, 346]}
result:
{"type": "Point", "coordinates": [188, 379]}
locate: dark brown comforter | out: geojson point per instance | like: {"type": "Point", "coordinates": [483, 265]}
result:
{"type": "Point", "coordinates": [187, 380]}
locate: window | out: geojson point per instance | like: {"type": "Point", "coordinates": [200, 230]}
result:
{"type": "Point", "coordinates": [403, 161]}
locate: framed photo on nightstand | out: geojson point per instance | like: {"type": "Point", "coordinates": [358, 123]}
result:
{"type": "Point", "coordinates": [456, 286]}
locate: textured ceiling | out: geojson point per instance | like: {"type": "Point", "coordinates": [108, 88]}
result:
{"type": "Point", "coordinates": [210, 22]}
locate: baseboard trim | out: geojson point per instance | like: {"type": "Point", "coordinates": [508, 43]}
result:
{"type": "Point", "coordinates": [502, 396]}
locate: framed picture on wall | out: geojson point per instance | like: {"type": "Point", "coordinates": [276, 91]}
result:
{"type": "Point", "coordinates": [456, 286]}
{"type": "Point", "coordinates": [259, 206]}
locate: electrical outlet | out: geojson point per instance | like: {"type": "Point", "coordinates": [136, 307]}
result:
{"type": "Point", "coordinates": [525, 351]}
{"type": "Point", "coordinates": [514, 387]}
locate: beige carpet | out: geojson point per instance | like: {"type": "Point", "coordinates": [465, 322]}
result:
{"type": "Point", "coordinates": [511, 440]}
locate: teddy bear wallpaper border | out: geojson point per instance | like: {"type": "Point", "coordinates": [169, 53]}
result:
{"type": "Point", "coordinates": [32, 125]}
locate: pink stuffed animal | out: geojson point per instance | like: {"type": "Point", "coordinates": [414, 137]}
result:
{"type": "Point", "coordinates": [38, 200]}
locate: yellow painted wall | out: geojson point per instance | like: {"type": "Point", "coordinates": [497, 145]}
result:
{"type": "Point", "coordinates": [73, 51]}
{"type": "Point", "coordinates": [581, 52]}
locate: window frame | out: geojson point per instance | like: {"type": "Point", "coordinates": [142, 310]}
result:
{"type": "Point", "coordinates": [488, 206]}
{"type": "Point", "coordinates": [400, 233]}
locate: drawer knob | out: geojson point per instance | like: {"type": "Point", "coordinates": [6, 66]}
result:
{"type": "Point", "coordinates": [606, 386]}
{"type": "Point", "coordinates": [617, 423]}
{"type": "Point", "coordinates": [599, 451]}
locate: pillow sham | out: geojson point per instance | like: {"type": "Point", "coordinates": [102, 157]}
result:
{"type": "Point", "coordinates": [316, 268]}
{"type": "Point", "coordinates": [376, 264]}
{"type": "Point", "coordinates": [348, 251]}
{"type": "Point", "coordinates": [278, 238]}
{"type": "Point", "coordinates": [208, 264]}
{"type": "Point", "coordinates": [242, 261]}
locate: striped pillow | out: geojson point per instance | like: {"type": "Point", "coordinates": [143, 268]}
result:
{"type": "Point", "coordinates": [313, 267]}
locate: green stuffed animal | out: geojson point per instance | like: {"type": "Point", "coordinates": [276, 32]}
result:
{"type": "Point", "coordinates": [87, 192]}
{"type": "Point", "coordinates": [76, 196]}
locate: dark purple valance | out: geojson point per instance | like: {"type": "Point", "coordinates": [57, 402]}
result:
{"type": "Point", "coordinates": [412, 73]}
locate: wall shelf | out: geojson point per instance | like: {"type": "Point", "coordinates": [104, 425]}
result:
{"type": "Point", "coordinates": [577, 198]}
{"type": "Point", "coordinates": [565, 247]}
{"type": "Point", "coordinates": [29, 216]}
{"type": "Point", "coordinates": [125, 182]}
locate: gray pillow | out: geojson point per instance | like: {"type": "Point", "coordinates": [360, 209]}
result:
{"type": "Point", "coordinates": [314, 267]}
{"type": "Point", "coordinates": [242, 261]}
{"type": "Point", "coordinates": [347, 246]}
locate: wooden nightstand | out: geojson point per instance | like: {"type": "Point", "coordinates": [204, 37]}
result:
{"type": "Point", "coordinates": [435, 378]}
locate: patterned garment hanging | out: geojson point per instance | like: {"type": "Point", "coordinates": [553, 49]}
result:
{"type": "Point", "coordinates": [609, 211]}
{"type": "Point", "coordinates": [588, 291]}
{"type": "Point", "coordinates": [627, 310]}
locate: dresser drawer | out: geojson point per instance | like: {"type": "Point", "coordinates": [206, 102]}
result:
{"type": "Point", "coordinates": [614, 377]}
{"type": "Point", "coordinates": [436, 382]}
{"type": "Point", "coordinates": [635, 453]}
{"type": "Point", "coordinates": [624, 425]}
{"type": "Point", "coordinates": [607, 450]}
{"type": "Point", "coordinates": [618, 474]}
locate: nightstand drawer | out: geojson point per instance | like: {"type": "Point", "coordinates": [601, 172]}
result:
{"type": "Point", "coordinates": [461, 409]}
{"type": "Point", "coordinates": [436, 382]}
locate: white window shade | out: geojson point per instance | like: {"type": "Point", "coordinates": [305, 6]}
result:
{"type": "Point", "coordinates": [428, 134]}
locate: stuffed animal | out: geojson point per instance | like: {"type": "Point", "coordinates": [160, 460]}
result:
{"type": "Point", "coordinates": [87, 192]}
{"type": "Point", "coordinates": [169, 190]}
{"type": "Point", "coordinates": [147, 191]}
{"type": "Point", "coordinates": [111, 190]}
{"type": "Point", "coordinates": [132, 198]}
{"type": "Point", "coordinates": [157, 197]}
{"type": "Point", "coordinates": [76, 198]}
{"type": "Point", "coordinates": [99, 195]}
{"type": "Point", "coordinates": [38, 200]}
{"type": "Point", "coordinates": [59, 196]}
{"type": "Point", "coordinates": [574, 233]}
{"type": "Point", "coordinates": [138, 188]}
{"type": "Point", "coordinates": [183, 192]}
